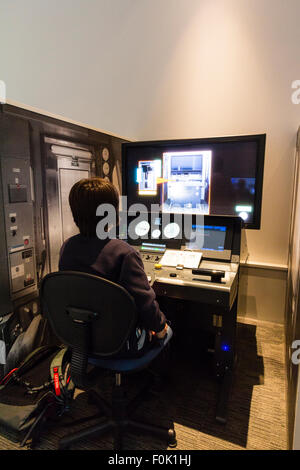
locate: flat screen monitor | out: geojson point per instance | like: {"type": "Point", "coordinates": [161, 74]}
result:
{"type": "Point", "coordinates": [214, 237]}
{"type": "Point", "coordinates": [214, 176]}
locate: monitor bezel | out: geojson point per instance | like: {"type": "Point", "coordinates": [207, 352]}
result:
{"type": "Point", "coordinates": [260, 139]}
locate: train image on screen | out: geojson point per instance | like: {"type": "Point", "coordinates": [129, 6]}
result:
{"type": "Point", "coordinates": [147, 173]}
{"type": "Point", "coordinates": [186, 182]}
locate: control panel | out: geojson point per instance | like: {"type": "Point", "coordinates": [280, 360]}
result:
{"type": "Point", "coordinates": [152, 258]}
{"type": "Point", "coordinates": [19, 228]}
{"type": "Point", "coordinates": [212, 282]}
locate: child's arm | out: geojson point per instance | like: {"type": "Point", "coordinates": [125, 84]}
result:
{"type": "Point", "coordinates": [133, 278]}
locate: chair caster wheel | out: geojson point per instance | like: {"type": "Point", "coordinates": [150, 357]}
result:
{"type": "Point", "coordinates": [173, 444]}
{"type": "Point", "coordinates": [172, 438]}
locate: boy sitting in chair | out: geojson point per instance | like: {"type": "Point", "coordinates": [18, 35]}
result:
{"type": "Point", "coordinates": [111, 258]}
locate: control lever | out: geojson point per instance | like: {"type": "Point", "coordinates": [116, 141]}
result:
{"type": "Point", "coordinates": [215, 275]}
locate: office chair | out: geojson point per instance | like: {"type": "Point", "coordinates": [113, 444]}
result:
{"type": "Point", "coordinates": [95, 318]}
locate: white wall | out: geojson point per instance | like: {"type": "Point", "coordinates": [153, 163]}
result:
{"type": "Point", "coordinates": [262, 294]}
{"type": "Point", "coordinates": [155, 69]}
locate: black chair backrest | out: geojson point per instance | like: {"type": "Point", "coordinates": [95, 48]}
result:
{"type": "Point", "coordinates": [87, 312]}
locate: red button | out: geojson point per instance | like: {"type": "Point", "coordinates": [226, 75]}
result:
{"type": "Point", "coordinates": [26, 241]}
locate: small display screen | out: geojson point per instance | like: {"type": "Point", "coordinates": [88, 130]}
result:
{"type": "Point", "coordinates": [213, 239]}
{"type": "Point", "coordinates": [153, 247]}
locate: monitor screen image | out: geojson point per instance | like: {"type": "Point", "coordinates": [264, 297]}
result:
{"type": "Point", "coordinates": [148, 173]}
{"type": "Point", "coordinates": [214, 237]}
{"type": "Point", "coordinates": [214, 176]}
{"type": "Point", "coordinates": [186, 182]}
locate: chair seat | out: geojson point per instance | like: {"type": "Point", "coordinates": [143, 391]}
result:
{"type": "Point", "coordinates": [131, 364]}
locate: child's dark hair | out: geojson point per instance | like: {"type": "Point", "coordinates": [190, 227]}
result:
{"type": "Point", "coordinates": [84, 198]}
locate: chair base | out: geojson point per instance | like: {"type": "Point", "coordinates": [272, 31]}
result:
{"type": "Point", "coordinates": [118, 429]}
{"type": "Point", "coordinates": [117, 421]}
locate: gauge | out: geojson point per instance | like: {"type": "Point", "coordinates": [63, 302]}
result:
{"type": "Point", "coordinates": [105, 168]}
{"type": "Point", "coordinates": [105, 154]}
{"type": "Point", "coordinates": [142, 228]}
{"type": "Point", "coordinates": [171, 230]}
{"type": "Point", "coordinates": [156, 233]}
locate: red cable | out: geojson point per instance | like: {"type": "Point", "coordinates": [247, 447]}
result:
{"type": "Point", "coordinates": [5, 379]}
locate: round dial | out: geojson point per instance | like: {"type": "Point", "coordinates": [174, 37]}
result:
{"type": "Point", "coordinates": [142, 228]}
{"type": "Point", "coordinates": [156, 233]}
{"type": "Point", "coordinates": [105, 168]}
{"type": "Point", "coordinates": [171, 230]}
{"type": "Point", "coordinates": [105, 154]}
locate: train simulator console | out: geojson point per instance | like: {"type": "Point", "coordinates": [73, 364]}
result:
{"type": "Point", "coordinates": [215, 185]}
{"type": "Point", "coordinates": [205, 280]}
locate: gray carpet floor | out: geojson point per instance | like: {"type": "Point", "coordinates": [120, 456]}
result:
{"type": "Point", "coordinates": [257, 407]}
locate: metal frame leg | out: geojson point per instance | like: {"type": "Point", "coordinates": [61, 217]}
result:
{"type": "Point", "coordinates": [225, 359]}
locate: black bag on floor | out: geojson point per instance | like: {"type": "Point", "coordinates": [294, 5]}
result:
{"type": "Point", "coordinates": [38, 391]}
{"type": "Point", "coordinates": [20, 336]}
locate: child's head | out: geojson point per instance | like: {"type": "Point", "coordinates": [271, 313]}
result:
{"type": "Point", "coordinates": [84, 198]}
